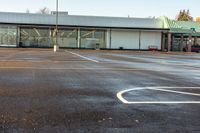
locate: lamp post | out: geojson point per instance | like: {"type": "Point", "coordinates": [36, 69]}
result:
{"type": "Point", "coordinates": [56, 47]}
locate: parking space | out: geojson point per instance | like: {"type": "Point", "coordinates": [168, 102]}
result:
{"type": "Point", "coordinates": [78, 91]}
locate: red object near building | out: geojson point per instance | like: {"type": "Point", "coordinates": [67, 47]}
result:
{"type": "Point", "coordinates": [153, 48]}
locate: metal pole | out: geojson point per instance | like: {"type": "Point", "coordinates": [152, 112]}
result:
{"type": "Point", "coordinates": [56, 44]}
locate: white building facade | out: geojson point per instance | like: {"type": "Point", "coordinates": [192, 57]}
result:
{"type": "Point", "coordinates": [38, 30]}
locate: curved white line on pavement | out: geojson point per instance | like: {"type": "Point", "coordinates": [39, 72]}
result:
{"type": "Point", "coordinates": [122, 99]}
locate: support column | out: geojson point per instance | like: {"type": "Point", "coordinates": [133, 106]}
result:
{"type": "Point", "coordinates": [190, 43]}
{"type": "Point", "coordinates": [181, 45]}
{"type": "Point", "coordinates": [140, 40]}
{"type": "Point", "coordinates": [108, 39]}
{"type": "Point", "coordinates": [169, 42]}
{"type": "Point", "coordinates": [163, 42]}
{"type": "Point", "coordinates": [79, 38]}
{"type": "Point", "coordinates": [195, 40]}
{"type": "Point", "coordinates": [18, 37]}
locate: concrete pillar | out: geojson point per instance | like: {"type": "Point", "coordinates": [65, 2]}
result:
{"type": "Point", "coordinates": [181, 44]}
{"type": "Point", "coordinates": [139, 40]}
{"type": "Point", "coordinates": [108, 39]}
{"type": "Point", "coordinates": [172, 43]}
{"type": "Point", "coordinates": [190, 43]}
{"type": "Point", "coordinates": [169, 42]}
{"type": "Point", "coordinates": [195, 40]}
{"type": "Point", "coordinates": [79, 38]}
{"type": "Point", "coordinates": [163, 42]}
{"type": "Point", "coordinates": [18, 37]}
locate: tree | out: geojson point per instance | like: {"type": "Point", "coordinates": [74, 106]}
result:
{"type": "Point", "coordinates": [44, 10]}
{"type": "Point", "coordinates": [198, 19]}
{"type": "Point", "coordinates": [184, 16]}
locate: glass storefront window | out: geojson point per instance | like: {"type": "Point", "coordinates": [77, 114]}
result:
{"type": "Point", "coordinates": [92, 38]}
{"type": "Point", "coordinates": [35, 37]}
{"type": "Point", "coordinates": [68, 38]}
{"type": "Point", "coordinates": [8, 35]}
{"type": "Point", "coordinates": [45, 37]}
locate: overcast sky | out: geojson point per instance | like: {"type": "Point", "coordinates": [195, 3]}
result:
{"type": "Point", "coordinates": [121, 8]}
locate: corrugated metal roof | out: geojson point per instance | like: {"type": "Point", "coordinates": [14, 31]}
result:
{"type": "Point", "coordinates": [73, 20]}
{"type": "Point", "coordinates": [185, 27]}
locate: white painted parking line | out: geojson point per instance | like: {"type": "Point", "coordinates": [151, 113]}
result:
{"type": "Point", "coordinates": [78, 68]}
{"type": "Point", "coordinates": [164, 102]}
{"type": "Point", "coordinates": [83, 57]}
{"type": "Point", "coordinates": [122, 99]}
{"type": "Point", "coordinates": [178, 92]}
{"type": "Point", "coordinates": [42, 61]}
{"type": "Point", "coordinates": [95, 68]}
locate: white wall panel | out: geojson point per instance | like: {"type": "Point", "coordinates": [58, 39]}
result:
{"type": "Point", "coordinates": [125, 39]}
{"type": "Point", "coordinates": [150, 38]}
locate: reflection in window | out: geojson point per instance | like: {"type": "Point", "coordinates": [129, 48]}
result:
{"type": "Point", "coordinates": [8, 35]}
{"type": "Point", "coordinates": [92, 38]}
{"type": "Point", "coordinates": [35, 37]}
{"type": "Point", "coordinates": [68, 38]}
{"type": "Point", "coordinates": [45, 37]}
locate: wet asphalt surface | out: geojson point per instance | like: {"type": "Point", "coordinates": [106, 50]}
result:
{"type": "Point", "coordinates": [42, 91]}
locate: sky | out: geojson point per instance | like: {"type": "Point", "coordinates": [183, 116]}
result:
{"type": "Point", "coordinates": [117, 8]}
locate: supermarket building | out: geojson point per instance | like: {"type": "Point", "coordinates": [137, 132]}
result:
{"type": "Point", "coordinates": [38, 30]}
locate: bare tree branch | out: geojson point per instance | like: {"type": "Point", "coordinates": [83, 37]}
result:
{"type": "Point", "coordinates": [44, 10]}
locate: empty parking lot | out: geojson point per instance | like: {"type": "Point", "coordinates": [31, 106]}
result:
{"type": "Point", "coordinates": [99, 91]}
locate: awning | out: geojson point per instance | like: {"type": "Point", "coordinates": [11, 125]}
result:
{"type": "Point", "coordinates": [182, 27]}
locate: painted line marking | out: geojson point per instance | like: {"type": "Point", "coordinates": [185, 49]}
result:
{"type": "Point", "coordinates": [79, 68]}
{"type": "Point", "coordinates": [122, 99]}
{"type": "Point", "coordinates": [41, 61]}
{"type": "Point", "coordinates": [83, 57]}
{"type": "Point", "coordinates": [82, 68]}
{"type": "Point", "coordinates": [178, 92]}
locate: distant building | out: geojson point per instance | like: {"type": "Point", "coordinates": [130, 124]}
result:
{"type": "Point", "coordinates": [198, 19]}
{"type": "Point", "coordinates": [38, 30]}
{"type": "Point", "coordinates": [75, 31]}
